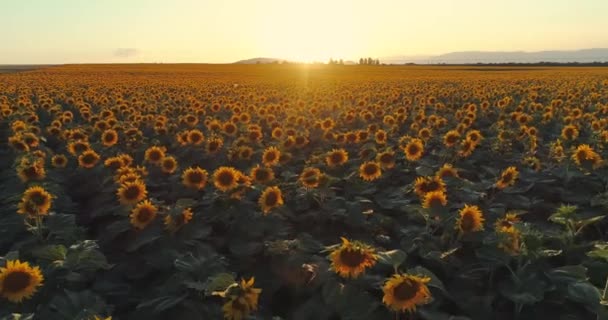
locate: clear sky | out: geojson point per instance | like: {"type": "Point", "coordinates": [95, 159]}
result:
{"type": "Point", "coordinates": [83, 31]}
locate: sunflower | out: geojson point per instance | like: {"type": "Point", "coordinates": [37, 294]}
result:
{"type": "Point", "coordinates": [447, 170]}
{"type": "Point", "coordinates": [570, 132]}
{"type": "Point", "coordinates": [277, 133]}
{"type": "Point", "coordinates": [271, 198]}
{"type": "Point", "coordinates": [214, 145]}
{"type": "Point", "coordinates": [423, 185]}
{"type": "Point", "coordinates": [403, 292]}
{"type": "Point", "coordinates": [29, 170]}
{"type": "Point", "coordinates": [370, 171]}
{"type": "Point", "coordinates": [414, 150]}
{"type": "Point", "coordinates": [475, 136]}
{"type": "Point", "coordinates": [114, 163]}
{"type": "Point", "coordinates": [262, 175]}
{"type": "Point", "coordinates": [18, 144]}
{"type": "Point", "coordinates": [195, 137]}
{"type": "Point", "coordinates": [168, 164]}
{"type": "Point", "coordinates": [109, 137]}
{"type": "Point", "coordinates": [35, 201]}
{"type": "Point", "coordinates": [155, 154]}
{"type": "Point", "coordinates": [130, 193]}
{"type": "Point", "coordinates": [225, 178]}
{"type": "Point", "coordinates": [59, 161]}
{"type": "Point", "coordinates": [77, 147]}
{"type": "Point", "coordinates": [19, 281]}
{"type": "Point", "coordinates": [172, 224]}
{"type": "Point", "coordinates": [336, 157]}
{"type": "Point", "coordinates": [143, 214]}
{"type": "Point", "coordinates": [310, 177]}
{"type": "Point", "coordinates": [88, 159]}
{"type": "Point", "coordinates": [380, 136]}
{"type": "Point", "coordinates": [434, 200]}
{"type": "Point", "coordinates": [510, 240]}
{"type": "Point", "coordinates": [195, 177]}
{"type": "Point", "coordinates": [242, 300]}
{"type": "Point", "coordinates": [506, 223]}
{"type": "Point", "coordinates": [386, 159]}
{"type": "Point", "coordinates": [229, 128]}
{"type": "Point", "coordinates": [585, 157]}
{"type": "Point", "coordinates": [450, 138]}
{"type": "Point", "coordinates": [350, 259]}
{"type": "Point", "coordinates": [271, 156]}
{"type": "Point", "coordinates": [507, 178]}
{"type": "Point", "coordinates": [470, 219]}
{"type": "Point", "coordinates": [245, 152]}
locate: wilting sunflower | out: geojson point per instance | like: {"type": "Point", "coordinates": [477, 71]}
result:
{"type": "Point", "coordinates": [59, 161]}
{"type": "Point", "coordinates": [507, 178]}
{"type": "Point", "coordinates": [35, 201]}
{"type": "Point", "coordinates": [585, 157]}
{"type": "Point", "coordinates": [19, 281]}
{"type": "Point", "coordinates": [172, 224]}
{"type": "Point", "coordinates": [155, 154]}
{"type": "Point", "coordinates": [242, 300]}
{"type": "Point", "coordinates": [414, 150]}
{"type": "Point", "coordinates": [506, 223]}
{"type": "Point", "coordinates": [262, 175]}
{"type": "Point", "coordinates": [109, 137]}
{"type": "Point", "coordinates": [131, 193]}
{"type": "Point", "coordinates": [370, 171]}
{"type": "Point", "coordinates": [310, 177]}
{"type": "Point", "coordinates": [225, 178]}
{"type": "Point", "coordinates": [168, 164]}
{"type": "Point", "coordinates": [447, 170]}
{"type": "Point", "coordinates": [88, 159]}
{"type": "Point", "coordinates": [271, 198]}
{"type": "Point", "coordinates": [434, 200]}
{"type": "Point", "coordinates": [350, 259]}
{"type": "Point", "coordinates": [195, 177]}
{"type": "Point", "coordinates": [271, 156]}
{"type": "Point", "coordinates": [143, 214]}
{"type": "Point", "coordinates": [336, 157]}
{"type": "Point", "coordinates": [403, 292]}
{"type": "Point", "coordinates": [386, 159]}
{"type": "Point", "coordinates": [470, 219]}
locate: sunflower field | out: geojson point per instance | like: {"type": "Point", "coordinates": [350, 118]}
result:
{"type": "Point", "coordinates": [303, 192]}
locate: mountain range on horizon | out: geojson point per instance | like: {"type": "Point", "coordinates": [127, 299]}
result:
{"type": "Point", "coordinates": [472, 57]}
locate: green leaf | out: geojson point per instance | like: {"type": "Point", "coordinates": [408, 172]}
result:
{"type": "Point", "coordinates": [435, 281]}
{"type": "Point", "coordinates": [219, 282]}
{"type": "Point", "coordinates": [162, 303]}
{"type": "Point", "coordinates": [584, 292]}
{"type": "Point", "coordinates": [50, 252]}
{"type": "Point", "coordinates": [393, 257]}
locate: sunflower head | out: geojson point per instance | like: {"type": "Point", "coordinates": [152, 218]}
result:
{"type": "Point", "coordinates": [195, 178]}
{"type": "Point", "coordinates": [447, 171]}
{"type": "Point", "coordinates": [271, 156]}
{"type": "Point", "coordinates": [226, 178]}
{"type": "Point", "coordinates": [109, 137]}
{"type": "Point", "coordinates": [586, 158]}
{"type": "Point", "coordinates": [386, 159]}
{"type": "Point", "coordinates": [155, 154]}
{"type": "Point", "coordinates": [194, 137]}
{"type": "Point", "coordinates": [470, 219]}
{"type": "Point", "coordinates": [271, 198]}
{"type": "Point", "coordinates": [262, 175]}
{"type": "Point", "coordinates": [35, 201]}
{"type": "Point", "coordinates": [168, 164]}
{"type": "Point", "coordinates": [130, 193]}
{"type": "Point", "coordinates": [434, 200]}
{"type": "Point", "coordinates": [370, 171]}
{"type": "Point", "coordinates": [214, 145]}
{"type": "Point", "coordinates": [59, 161]}
{"type": "Point", "coordinates": [19, 280]}
{"type": "Point", "coordinates": [242, 299]}
{"type": "Point", "coordinates": [351, 259]}
{"type": "Point", "coordinates": [88, 159]}
{"type": "Point", "coordinates": [336, 157]}
{"type": "Point", "coordinates": [507, 178]}
{"type": "Point", "coordinates": [404, 292]}
{"type": "Point", "coordinates": [173, 223]}
{"type": "Point", "coordinates": [310, 177]}
{"type": "Point", "coordinates": [31, 169]}
{"type": "Point", "coordinates": [143, 214]}
{"type": "Point", "coordinates": [507, 222]}
{"type": "Point", "coordinates": [414, 150]}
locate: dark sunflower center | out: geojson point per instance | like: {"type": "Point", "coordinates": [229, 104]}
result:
{"type": "Point", "coordinates": [109, 137]}
{"type": "Point", "coordinates": [271, 199]}
{"type": "Point", "coordinates": [31, 172]}
{"type": "Point", "coordinates": [386, 158]}
{"type": "Point", "coordinates": [155, 155]}
{"type": "Point", "coordinates": [195, 137]}
{"type": "Point", "coordinates": [336, 158]}
{"type": "Point", "coordinates": [261, 175]}
{"type": "Point", "coordinates": [370, 169]}
{"type": "Point", "coordinates": [467, 223]}
{"type": "Point", "coordinates": [406, 290]}
{"type": "Point", "coordinates": [89, 158]}
{"type": "Point", "coordinates": [144, 214]}
{"type": "Point", "coordinates": [79, 147]}
{"type": "Point", "coordinates": [16, 281]}
{"type": "Point", "coordinates": [271, 156]}
{"type": "Point", "coordinates": [213, 145]}
{"type": "Point", "coordinates": [226, 178]}
{"type": "Point", "coordinates": [352, 258]}
{"type": "Point", "coordinates": [435, 201]}
{"type": "Point", "coordinates": [507, 177]}
{"type": "Point", "coordinates": [195, 177]}
{"type": "Point", "coordinates": [132, 192]}
{"type": "Point", "coordinates": [413, 149]}
{"type": "Point", "coordinates": [38, 199]}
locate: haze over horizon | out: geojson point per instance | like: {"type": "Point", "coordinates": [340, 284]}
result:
{"type": "Point", "coordinates": [113, 31]}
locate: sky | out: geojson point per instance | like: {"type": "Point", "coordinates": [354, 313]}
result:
{"type": "Point", "coordinates": [224, 31]}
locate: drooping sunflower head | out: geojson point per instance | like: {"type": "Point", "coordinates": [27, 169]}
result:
{"type": "Point", "coordinates": [310, 177]}
{"type": "Point", "coordinates": [242, 300]}
{"type": "Point", "coordinates": [336, 157]}
{"type": "Point", "coordinates": [271, 198]}
{"type": "Point", "coordinates": [130, 193]}
{"type": "Point", "coordinates": [434, 200]}
{"type": "Point", "coordinates": [470, 219]}
{"type": "Point", "coordinates": [271, 156]}
{"type": "Point", "coordinates": [19, 280]}
{"type": "Point", "coordinates": [35, 201]}
{"type": "Point", "coordinates": [509, 240]}
{"type": "Point", "coordinates": [507, 222]}
{"type": "Point", "coordinates": [88, 159]}
{"type": "Point", "coordinates": [585, 157]}
{"type": "Point", "coordinates": [351, 259]}
{"type": "Point", "coordinates": [370, 171]}
{"type": "Point", "coordinates": [155, 154]}
{"type": "Point", "coordinates": [31, 170]}
{"type": "Point", "coordinates": [414, 150]}
{"type": "Point", "coordinates": [195, 177]}
{"type": "Point", "coordinates": [507, 178]}
{"type": "Point", "coordinates": [168, 164]}
{"type": "Point", "coordinates": [225, 178]}
{"type": "Point", "coordinates": [262, 175]}
{"type": "Point", "coordinates": [143, 214]}
{"type": "Point", "coordinates": [173, 223]}
{"type": "Point", "coordinates": [404, 292]}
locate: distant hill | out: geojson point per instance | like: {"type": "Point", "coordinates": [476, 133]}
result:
{"type": "Point", "coordinates": [465, 57]}
{"type": "Point", "coordinates": [259, 61]}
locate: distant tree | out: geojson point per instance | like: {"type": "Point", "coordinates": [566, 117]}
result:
{"type": "Point", "coordinates": [341, 61]}
{"type": "Point", "coordinates": [361, 61]}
